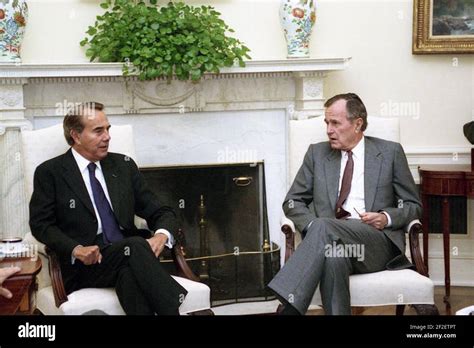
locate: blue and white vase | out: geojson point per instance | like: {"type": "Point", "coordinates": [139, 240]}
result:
{"type": "Point", "coordinates": [13, 18]}
{"type": "Point", "coordinates": [297, 19]}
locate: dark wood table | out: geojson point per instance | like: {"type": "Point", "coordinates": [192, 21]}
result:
{"type": "Point", "coordinates": [444, 181]}
{"type": "Point", "coordinates": [22, 285]}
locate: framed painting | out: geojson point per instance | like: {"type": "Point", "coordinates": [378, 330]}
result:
{"type": "Point", "coordinates": [443, 26]}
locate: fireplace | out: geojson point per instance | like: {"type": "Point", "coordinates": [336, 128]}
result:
{"type": "Point", "coordinates": [222, 211]}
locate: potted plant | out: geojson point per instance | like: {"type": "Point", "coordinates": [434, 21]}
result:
{"type": "Point", "coordinates": [162, 41]}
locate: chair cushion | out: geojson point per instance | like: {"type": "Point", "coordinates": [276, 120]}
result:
{"type": "Point", "coordinates": [388, 288]}
{"type": "Point", "coordinates": [106, 300]}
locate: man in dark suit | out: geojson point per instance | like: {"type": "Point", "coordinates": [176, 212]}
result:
{"type": "Point", "coordinates": [83, 207]}
{"type": "Point", "coordinates": [351, 198]}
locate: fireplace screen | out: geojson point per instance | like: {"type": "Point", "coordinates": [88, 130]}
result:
{"type": "Point", "coordinates": [222, 212]}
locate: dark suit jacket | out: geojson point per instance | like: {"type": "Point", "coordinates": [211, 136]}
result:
{"type": "Point", "coordinates": [388, 186]}
{"type": "Point", "coordinates": [61, 211]}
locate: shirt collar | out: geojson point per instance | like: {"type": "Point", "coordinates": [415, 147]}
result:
{"type": "Point", "coordinates": [358, 150]}
{"type": "Point", "coordinates": [83, 162]}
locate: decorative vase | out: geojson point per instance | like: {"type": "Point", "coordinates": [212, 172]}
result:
{"type": "Point", "coordinates": [297, 19]}
{"type": "Point", "coordinates": [13, 17]}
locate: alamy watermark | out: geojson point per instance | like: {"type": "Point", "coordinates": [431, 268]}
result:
{"type": "Point", "coordinates": [37, 331]}
{"type": "Point", "coordinates": [400, 109]}
{"type": "Point", "coordinates": [19, 250]}
{"type": "Point", "coordinates": [345, 250]}
{"type": "Point", "coordinates": [229, 155]}
{"type": "Point", "coordinates": [69, 108]}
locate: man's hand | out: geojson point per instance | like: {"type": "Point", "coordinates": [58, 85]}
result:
{"type": "Point", "coordinates": [89, 255]}
{"type": "Point", "coordinates": [4, 274]}
{"type": "Point", "coordinates": [377, 220]}
{"type": "Point", "coordinates": [157, 243]}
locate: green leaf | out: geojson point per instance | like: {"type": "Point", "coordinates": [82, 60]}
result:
{"type": "Point", "coordinates": [195, 74]}
{"type": "Point", "coordinates": [90, 52]}
{"type": "Point", "coordinates": [91, 31]}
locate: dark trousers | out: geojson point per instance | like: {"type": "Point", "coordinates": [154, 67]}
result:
{"type": "Point", "coordinates": [143, 286]}
{"type": "Point", "coordinates": [314, 263]}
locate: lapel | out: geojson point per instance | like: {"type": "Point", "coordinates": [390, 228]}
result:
{"type": "Point", "coordinates": [372, 166]}
{"type": "Point", "coordinates": [332, 169]}
{"type": "Point", "coordinates": [112, 179]}
{"type": "Point", "coordinates": [73, 178]}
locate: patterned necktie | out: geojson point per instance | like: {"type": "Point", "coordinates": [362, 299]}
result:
{"type": "Point", "coordinates": [110, 228]}
{"type": "Point", "coordinates": [345, 187]}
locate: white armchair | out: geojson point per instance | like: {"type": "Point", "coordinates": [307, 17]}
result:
{"type": "Point", "coordinates": [43, 144]}
{"type": "Point", "coordinates": [400, 287]}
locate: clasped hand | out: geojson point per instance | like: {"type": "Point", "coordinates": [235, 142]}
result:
{"type": "Point", "coordinates": [91, 255]}
{"type": "Point", "coordinates": [157, 243]}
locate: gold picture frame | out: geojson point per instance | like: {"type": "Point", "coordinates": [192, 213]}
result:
{"type": "Point", "coordinates": [445, 39]}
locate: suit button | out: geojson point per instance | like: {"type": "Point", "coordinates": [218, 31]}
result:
{"type": "Point", "coordinates": [95, 220]}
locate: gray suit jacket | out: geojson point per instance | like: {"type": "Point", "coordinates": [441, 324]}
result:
{"type": "Point", "coordinates": [389, 186]}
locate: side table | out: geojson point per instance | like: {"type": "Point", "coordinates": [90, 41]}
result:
{"type": "Point", "coordinates": [444, 181]}
{"type": "Point", "coordinates": [22, 285]}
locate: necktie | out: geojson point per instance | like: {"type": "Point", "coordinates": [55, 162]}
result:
{"type": "Point", "coordinates": [345, 187]}
{"type": "Point", "coordinates": [110, 228]}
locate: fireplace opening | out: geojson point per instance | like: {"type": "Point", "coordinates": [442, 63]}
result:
{"type": "Point", "coordinates": [221, 210]}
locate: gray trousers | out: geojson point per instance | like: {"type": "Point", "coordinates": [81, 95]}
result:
{"type": "Point", "coordinates": [330, 252]}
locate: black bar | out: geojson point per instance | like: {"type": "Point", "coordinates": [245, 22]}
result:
{"type": "Point", "coordinates": [240, 330]}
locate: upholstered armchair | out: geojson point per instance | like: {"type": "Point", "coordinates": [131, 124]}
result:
{"type": "Point", "coordinates": [398, 287]}
{"type": "Point", "coordinates": [51, 299]}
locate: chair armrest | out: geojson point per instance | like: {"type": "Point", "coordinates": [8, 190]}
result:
{"type": "Point", "coordinates": [177, 253]}
{"type": "Point", "coordinates": [414, 229]}
{"type": "Point", "coordinates": [59, 291]}
{"type": "Point", "coordinates": [288, 228]}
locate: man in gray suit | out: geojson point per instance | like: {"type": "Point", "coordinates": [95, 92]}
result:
{"type": "Point", "coordinates": [351, 198]}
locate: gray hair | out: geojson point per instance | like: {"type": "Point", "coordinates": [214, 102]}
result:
{"type": "Point", "coordinates": [354, 106]}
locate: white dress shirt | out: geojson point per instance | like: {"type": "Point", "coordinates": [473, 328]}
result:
{"type": "Point", "coordinates": [356, 198]}
{"type": "Point", "coordinates": [82, 164]}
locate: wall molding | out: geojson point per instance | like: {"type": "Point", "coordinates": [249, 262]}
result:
{"type": "Point", "coordinates": [439, 155]}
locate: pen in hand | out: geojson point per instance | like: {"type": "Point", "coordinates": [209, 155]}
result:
{"type": "Point", "coordinates": [360, 215]}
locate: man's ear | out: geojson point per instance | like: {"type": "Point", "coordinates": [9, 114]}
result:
{"type": "Point", "coordinates": [75, 135]}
